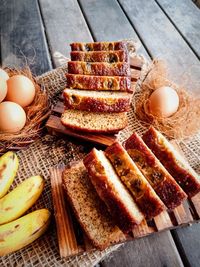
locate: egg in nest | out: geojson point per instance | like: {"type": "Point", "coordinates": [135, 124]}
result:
{"type": "Point", "coordinates": [163, 102]}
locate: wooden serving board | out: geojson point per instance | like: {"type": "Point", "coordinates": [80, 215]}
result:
{"type": "Point", "coordinates": [72, 240]}
{"type": "Point", "coordinates": [55, 126]}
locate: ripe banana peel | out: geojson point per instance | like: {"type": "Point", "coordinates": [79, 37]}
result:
{"type": "Point", "coordinates": [8, 168]}
{"type": "Point", "coordinates": [21, 232]}
{"type": "Point", "coordinates": [20, 199]}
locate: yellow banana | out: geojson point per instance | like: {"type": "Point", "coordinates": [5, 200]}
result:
{"type": "Point", "coordinates": [23, 231]}
{"type": "Point", "coordinates": [8, 168]}
{"type": "Point", "coordinates": [20, 199]}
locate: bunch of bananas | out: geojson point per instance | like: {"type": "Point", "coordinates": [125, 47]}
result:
{"type": "Point", "coordinates": [16, 232]}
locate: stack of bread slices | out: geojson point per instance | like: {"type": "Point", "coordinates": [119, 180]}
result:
{"type": "Point", "coordinates": [99, 91]}
{"type": "Point", "coordinates": [113, 191]}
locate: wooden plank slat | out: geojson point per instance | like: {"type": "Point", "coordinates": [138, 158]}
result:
{"type": "Point", "coordinates": [22, 38]}
{"type": "Point", "coordinates": [196, 202]}
{"type": "Point", "coordinates": [190, 25]}
{"type": "Point", "coordinates": [65, 232]}
{"type": "Point", "coordinates": [143, 230]}
{"type": "Point", "coordinates": [163, 221]}
{"type": "Point", "coordinates": [163, 40]}
{"type": "Point", "coordinates": [55, 126]}
{"type": "Point", "coordinates": [59, 107]}
{"type": "Point", "coordinates": [183, 214]}
{"type": "Point", "coordinates": [64, 23]}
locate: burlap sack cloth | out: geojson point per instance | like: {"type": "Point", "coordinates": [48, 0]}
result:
{"type": "Point", "coordinates": [50, 151]}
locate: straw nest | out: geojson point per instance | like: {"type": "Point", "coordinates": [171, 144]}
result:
{"type": "Point", "coordinates": [185, 122]}
{"type": "Point", "coordinates": [36, 114]}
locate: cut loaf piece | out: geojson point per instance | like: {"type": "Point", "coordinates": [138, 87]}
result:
{"type": "Point", "coordinates": [95, 122]}
{"type": "Point", "coordinates": [89, 209]}
{"type": "Point", "coordinates": [163, 183]}
{"type": "Point", "coordinates": [99, 68]}
{"type": "Point", "coordinates": [89, 82]}
{"type": "Point", "coordinates": [96, 101]}
{"type": "Point", "coordinates": [176, 165]}
{"type": "Point", "coordinates": [99, 46]}
{"type": "Point", "coordinates": [144, 195]}
{"type": "Point", "coordinates": [110, 189]}
{"type": "Point", "coordinates": [100, 56]}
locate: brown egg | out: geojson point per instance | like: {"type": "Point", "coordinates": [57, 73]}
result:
{"type": "Point", "coordinates": [12, 117]}
{"type": "Point", "coordinates": [4, 74]}
{"type": "Point", "coordinates": [21, 90]}
{"type": "Point", "coordinates": [163, 102]}
{"type": "Point", "coordinates": [3, 89]}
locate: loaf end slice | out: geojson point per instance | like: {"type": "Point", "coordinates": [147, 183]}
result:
{"type": "Point", "coordinates": [100, 56]}
{"type": "Point", "coordinates": [144, 195]}
{"type": "Point", "coordinates": [96, 101]}
{"type": "Point", "coordinates": [110, 189]}
{"type": "Point", "coordinates": [163, 183]}
{"type": "Point", "coordinates": [94, 122]}
{"type": "Point", "coordinates": [99, 68]}
{"type": "Point", "coordinates": [89, 209]}
{"type": "Point", "coordinates": [175, 164]}
{"type": "Point", "coordinates": [99, 46]}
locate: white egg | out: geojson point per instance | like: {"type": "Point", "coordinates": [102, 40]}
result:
{"type": "Point", "coordinates": [3, 89]}
{"type": "Point", "coordinates": [163, 102]}
{"type": "Point", "coordinates": [12, 117]}
{"type": "Point", "coordinates": [21, 90]}
{"type": "Point", "coordinates": [4, 74]}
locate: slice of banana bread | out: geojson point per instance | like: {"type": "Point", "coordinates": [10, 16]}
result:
{"type": "Point", "coordinates": [163, 183]}
{"type": "Point", "coordinates": [101, 83]}
{"type": "Point", "coordinates": [94, 122]}
{"type": "Point", "coordinates": [99, 46]}
{"type": "Point", "coordinates": [96, 101]}
{"type": "Point", "coordinates": [111, 190]}
{"type": "Point", "coordinates": [89, 209]}
{"type": "Point", "coordinates": [175, 164]}
{"type": "Point", "coordinates": [99, 68]}
{"type": "Point", "coordinates": [100, 56]}
{"type": "Point", "coordinates": [144, 195]}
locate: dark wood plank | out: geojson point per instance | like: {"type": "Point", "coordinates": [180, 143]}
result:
{"type": "Point", "coordinates": [155, 250]}
{"type": "Point", "coordinates": [189, 27]}
{"type": "Point", "coordinates": [108, 22]}
{"type": "Point", "coordinates": [163, 40]}
{"type": "Point", "coordinates": [64, 23]}
{"type": "Point", "coordinates": [187, 241]}
{"type": "Point", "coordinates": [22, 36]}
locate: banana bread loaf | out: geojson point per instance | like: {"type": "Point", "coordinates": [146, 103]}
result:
{"type": "Point", "coordinates": [110, 189]}
{"type": "Point", "coordinates": [99, 68]}
{"type": "Point", "coordinates": [163, 183]}
{"type": "Point", "coordinates": [101, 83]}
{"type": "Point", "coordinates": [89, 209]}
{"type": "Point", "coordinates": [100, 56]}
{"type": "Point", "coordinates": [144, 195]}
{"type": "Point", "coordinates": [96, 101]}
{"type": "Point", "coordinates": [99, 46]}
{"type": "Point", "coordinates": [94, 122]}
{"type": "Point", "coordinates": [173, 161]}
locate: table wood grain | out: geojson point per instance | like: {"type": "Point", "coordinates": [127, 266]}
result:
{"type": "Point", "coordinates": [38, 29]}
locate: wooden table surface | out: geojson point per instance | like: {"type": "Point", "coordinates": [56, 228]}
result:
{"type": "Point", "coordinates": [33, 32]}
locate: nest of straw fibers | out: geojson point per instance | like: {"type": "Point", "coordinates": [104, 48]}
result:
{"type": "Point", "coordinates": [36, 114]}
{"type": "Point", "coordinates": [185, 122]}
